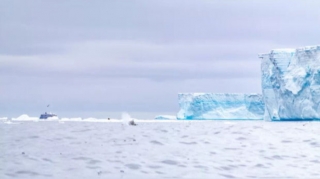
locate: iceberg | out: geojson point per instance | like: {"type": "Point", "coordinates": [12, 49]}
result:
{"type": "Point", "coordinates": [3, 118]}
{"type": "Point", "coordinates": [203, 106]}
{"type": "Point", "coordinates": [165, 117]}
{"type": "Point", "coordinates": [25, 117]}
{"type": "Point", "coordinates": [291, 84]}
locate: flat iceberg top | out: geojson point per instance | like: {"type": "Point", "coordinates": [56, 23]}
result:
{"type": "Point", "coordinates": [219, 94]}
{"type": "Point", "coordinates": [316, 47]}
{"type": "Point", "coordinates": [289, 50]}
{"type": "Point", "coordinates": [284, 50]}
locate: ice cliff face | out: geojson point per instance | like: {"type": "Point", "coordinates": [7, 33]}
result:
{"type": "Point", "coordinates": [291, 84]}
{"type": "Point", "coordinates": [220, 106]}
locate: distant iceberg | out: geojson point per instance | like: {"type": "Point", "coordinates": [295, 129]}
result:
{"type": "Point", "coordinates": [203, 106]}
{"type": "Point", "coordinates": [3, 118]}
{"type": "Point", "coordinates": [25, 117]}
{"type": "Point", "coordinates": [165, 117]}
{"type": "Point", "coordinates": [291, 84]}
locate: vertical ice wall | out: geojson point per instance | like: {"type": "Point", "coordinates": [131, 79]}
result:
{"type": "Point", "coordinates": [291, 84]}
{"type": "Point", "coordinates": [202, 106]}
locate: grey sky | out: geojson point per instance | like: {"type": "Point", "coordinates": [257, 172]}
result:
{"type": "Point", "coordinates": [98, 58]}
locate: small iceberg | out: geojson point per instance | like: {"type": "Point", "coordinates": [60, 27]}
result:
{"type": "Point", "coordinates": [3, 118]}
{"type": "Point", "coordinates": [25, 117]}
{"type": "Point", "coordinates": [165, 117]}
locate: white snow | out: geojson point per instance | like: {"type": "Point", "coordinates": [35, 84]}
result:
{"type": "Point", "coordinates": [71, 119]}
{"type": "Point", "coordinates": [160, 149]}
{"type": "Point", "coordinates": [90, 118]}
{"type": "Point", "coordinates": [291, 84]}
{"type": "Point", "coordinates": [3, 118]}
{"type": "Point", "coordinates": [126, 118]}
{"type": "Point", "coordinates": [25, 117]}
{"type": "Point", "coordinates": [55, 118]}
{"type": "Point", "coordinates": [220, 106]}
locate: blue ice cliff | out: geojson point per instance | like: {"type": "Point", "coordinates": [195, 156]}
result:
{"type": "Point", "coordinates": [202, 106]}
{"type": "Point", "coordinates": [291, 84]}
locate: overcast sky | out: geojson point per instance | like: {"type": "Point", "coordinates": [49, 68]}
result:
{"type": "Point", "coordinates": [99, 58]}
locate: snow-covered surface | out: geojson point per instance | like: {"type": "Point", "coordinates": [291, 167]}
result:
{"type": "Point", "coordinates": [3, 118]}
{"type": "Point", "coordinates": [71, 119]}
{"type": "Point", "coordinates": [89, 118]}
{"type": "Point", "coordinates": [291, 83]}
{"type": "Point", "coordinates": [55, 118]}
{"type": "Point", "coordinates": [25, 117]}
{"type": "Point", "coordinates": [166, 117]}
{"type": "Point", "coordinates": [125, 118]}
{"type": "Point", "coordinates": [160, 149]}
{"type": "Point", "coordinates": [220, 106]}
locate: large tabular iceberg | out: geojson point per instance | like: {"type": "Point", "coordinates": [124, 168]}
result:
{"type": "Point", "coordinates": [291, 84]}
{"type": "Point", "coordinates": [220, 106]}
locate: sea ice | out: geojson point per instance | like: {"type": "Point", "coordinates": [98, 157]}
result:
{"type": "Point", "coordinates": [160, 149]}
{"type": "Point", "coordinates": [220, 106]}
{"type": "Point", "coordinates": [291, 83]}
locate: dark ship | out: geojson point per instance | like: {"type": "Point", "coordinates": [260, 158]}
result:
{"type": "Point", "coordinates": [47, 115]}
